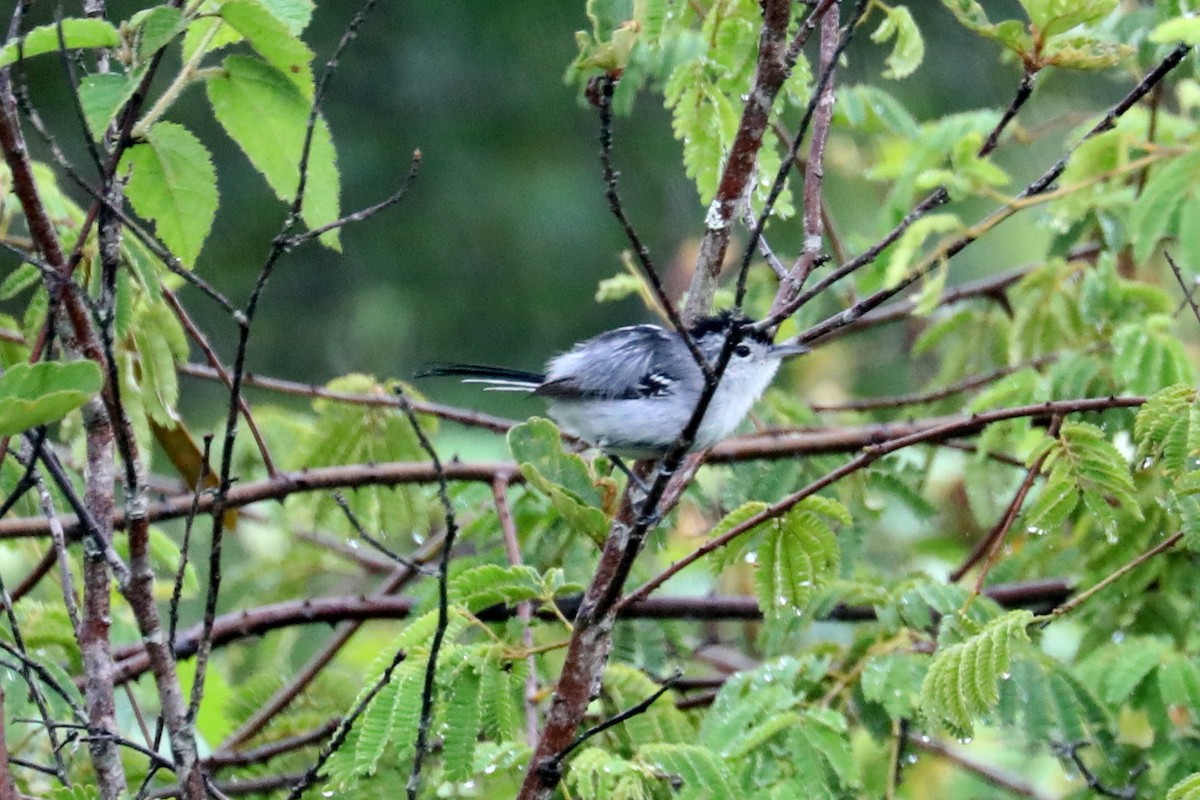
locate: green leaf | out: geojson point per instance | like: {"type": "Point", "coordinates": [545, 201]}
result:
{"type": "Point", "coordinates": [77, 34]}
{"type": "Point", "coordinates": [35, 394]}
{"type": "Point", "coordinates": [23, 277]}
{"type": "Point", "coordinates": [909, 50]}
{"type": "Point", "coordinates": [272, 40]}
{"type": "Point", "coordinates": [798, 556]}
{"type": "Point", "coordinates": [102, 94]}
{"type": "Point", "coordinates": [962, 682]}
{"type": "Point", "coordinates": [489, 584]}
{"type": "Point", "coordinates": [1155, 210]}
{"type": "Point", "coordinates": [1186, 789]}
{"type": "Point", "coordinates": [700, 774]}
{"type": "Point", "coordinates": [1180, 29]}
{"type": "Point", "coordinates": [462, 712]}
{"type": "Point", "coordinates": [267, 115]}
{"type": "Point", "coordinates": [1052, 17]}
{"type": "Point", "coordinates": [157, 28]}
{"type": "Point", "coordinates": [161, 344]}
{"type": "Point", "coordinates": [724, 556]}
{"type": "Point", "coordinates": [1081, 52]}
{"type": "Point", "coordinates": [894, 681]}
{"type": "Point", "coordinates": [173, 182]}
{"type": "Point", "coordinates": [1082, 464]}
{"type": "Point", "coordinates": [564, 477]}
{"type": "Point", "coordinates": [294, 14]}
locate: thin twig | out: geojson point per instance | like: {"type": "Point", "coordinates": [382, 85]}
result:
{"type": "Point", "coordinates": [339, 737]}
{"type": "Point", "coordinates": [429, 687]}
{"type": "Point", "coordinates": [989, 546]}
{"type": "Point", "coordinates": [1083, 597]}
{"type": "Point", "coordinates": [613, 721]}
{"type": "Point", "coordinates": [1187, 293]}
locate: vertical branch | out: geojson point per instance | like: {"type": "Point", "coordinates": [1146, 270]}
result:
{"type": "Point", "coordinates": [814, 168]}
{"type": "Point", "coordinates": [771, 71]}
{"type": "Point", "coordinates": [8, 790]}
{"type": "Point", "coordinates": [429, 688]}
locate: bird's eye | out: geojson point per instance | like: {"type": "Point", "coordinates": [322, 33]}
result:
{"type": "Point", "coordinates": [742, 350]}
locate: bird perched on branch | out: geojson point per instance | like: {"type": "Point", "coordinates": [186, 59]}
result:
{"type": "Point", "coordinates": [631, 391]}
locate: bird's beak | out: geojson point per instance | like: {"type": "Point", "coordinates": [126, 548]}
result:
{"type": "Point", "coordinates": [787, 350]}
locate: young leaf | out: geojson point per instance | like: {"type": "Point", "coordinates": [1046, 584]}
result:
{"type": "Point", "coordinates": [962, 680]}
{"type": "Point", "coordinates": [35, 394]}
{"type": "Point", "coordinates": [157, 28]}
{"type": "Point", "coordinates": [267, 115]}
{"type": "Point", "coordinates": [798, 556]}
{"type": "Point", "coordinates": [563, 476]}
{"type": "Point", "coordinates": [173, 182]}
{"type": "Point", "coordinates": [76, 33]}
{"type": "Point", "coordinates": [909, 50]}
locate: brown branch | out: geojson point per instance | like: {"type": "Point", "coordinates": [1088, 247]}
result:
{"type": "Point", "coordinates": [987, 772]}
{"type": "Point", "coordinates": [214, 362]}
{"type": "Point", "coordinates": [285, 694]}
{"type": "Point", "coordinates": [280, 487]}
{"type": "Point", "coordinates": [1024, 91]}
{"type": "Point", "coordinates": [771, 70]}
{"type": "Point", "coordinates": [8, 790]}
{"type": "Point", "coordinates": [814, 168]}
{"type": "Point", "coordinates": [295, 388]}
{"type": "Point", "coordinates": [965, 424]}
{"type": "Point", "coordinates": [949, 248]}
{"type": "Point", "coordinates": [265, 752]}
{"type": "Point", "coordinates": [512, 549]}
{"type": "Point", "coordinates": [353, 610]}
{"type": "Point", "coordinates": [990, 544]}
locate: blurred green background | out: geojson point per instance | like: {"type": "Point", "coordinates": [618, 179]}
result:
{"type": "Point", "coordinates": [495, 253]}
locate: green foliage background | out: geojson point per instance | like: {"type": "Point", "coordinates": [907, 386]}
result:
{"type": "Point", "coordinates": [496, 254]}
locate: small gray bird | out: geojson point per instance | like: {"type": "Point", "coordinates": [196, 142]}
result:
{"type": "Point", "coordinates": [631, 391]}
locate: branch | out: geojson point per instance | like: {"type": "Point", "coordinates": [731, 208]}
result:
{"type": "Point", "coordinates": [352, 610]}
{"type": "Point", "coordinates": [967, 423]}
{"type": "Point", "coordinates": [771, 71]}
{"type": "Point", "coordinates": [429, 688]}
{"type": "Point", "coordinates": [948, 249]}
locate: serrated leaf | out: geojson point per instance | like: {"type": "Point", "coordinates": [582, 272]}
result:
{"type": "Point", "coordinates": [77, 34]}
{"type": "Point", "coordinates": [272, 40]}
{"type": "Point", "coordinates": [172, 182]}
{"type": "Point", "coordinates": [157, 28]}
{"type": "Point", "coordinates": [36, 394]}
{"type": "Point", "coordinates": [564, 477]}
{"type": "Point", "coordinates": [267, 115]}
{"type": "Point", "coordinates": [294, 14]}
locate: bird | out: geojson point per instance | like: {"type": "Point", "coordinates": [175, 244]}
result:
{"type": "Point", "coordinates": [631, 391]}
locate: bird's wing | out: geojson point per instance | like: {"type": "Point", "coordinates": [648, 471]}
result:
{"type": "Point", "coordinates": [626, 363]}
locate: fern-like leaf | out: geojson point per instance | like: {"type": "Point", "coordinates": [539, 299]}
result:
{"type": "Point", "coordinates": [962, 682]}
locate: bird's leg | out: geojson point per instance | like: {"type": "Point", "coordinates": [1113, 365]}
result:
{"type": "Point", "coordinates": [634, 479]}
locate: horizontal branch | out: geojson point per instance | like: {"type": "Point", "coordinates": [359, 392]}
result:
{"type": "Point", "coordinates": [1042, 595]}
{"type": "Point", "coordinates": [771, 444]}
{"type": "Point", "coordinates": [284, 484]}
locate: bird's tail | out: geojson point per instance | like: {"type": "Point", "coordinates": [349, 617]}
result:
{"type": "Point", "coordinates": [497, 379]}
